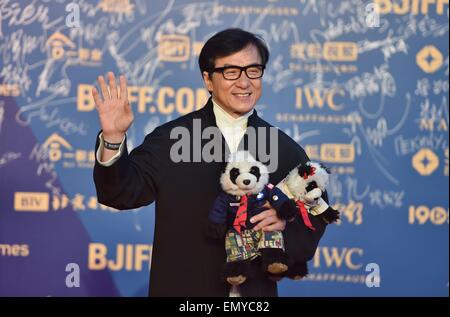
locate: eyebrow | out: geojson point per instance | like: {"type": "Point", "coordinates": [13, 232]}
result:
{"type": "Point", "coordinates": [229, 65]}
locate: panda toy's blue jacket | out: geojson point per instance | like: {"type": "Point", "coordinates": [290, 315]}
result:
{"type": "Point", "coordinates": [226, 205]}
{"type": "Point", "coordinates": [185, 261]}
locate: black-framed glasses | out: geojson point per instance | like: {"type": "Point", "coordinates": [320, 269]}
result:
{"type": "Point", "coordinates": [232, 72]}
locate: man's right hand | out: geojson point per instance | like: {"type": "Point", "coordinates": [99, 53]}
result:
{"type": "Point", "coordinates": [114, 110]}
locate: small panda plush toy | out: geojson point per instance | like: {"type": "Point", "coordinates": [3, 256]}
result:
{"type": "Point", "coordinates": [246, 192]}
{"type": "Point", "coordinates": [305, 185]}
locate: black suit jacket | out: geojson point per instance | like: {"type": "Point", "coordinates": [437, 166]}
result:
{"type": "Point", "coordinates": [185, 262]}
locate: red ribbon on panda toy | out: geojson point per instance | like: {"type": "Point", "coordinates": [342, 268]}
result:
{"type": "Point", "coordinates": [241, 214]}
{"type": "Point", "coordinates": [304, 214]}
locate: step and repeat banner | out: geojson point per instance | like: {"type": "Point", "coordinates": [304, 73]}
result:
{"type": "Point", "coordinates": [362, 86]}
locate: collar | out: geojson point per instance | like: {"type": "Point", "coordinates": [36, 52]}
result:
{"type": "Point", "coordinates": [224, 119]}
{"type": "Point", "coordinates": [207, 112]}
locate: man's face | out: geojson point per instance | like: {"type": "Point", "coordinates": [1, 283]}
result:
{"type": "Point", "coordinates": [239, 96]}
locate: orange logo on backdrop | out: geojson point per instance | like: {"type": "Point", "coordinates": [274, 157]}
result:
{"type": "Point", "coordinates": [31, 201]}
{"type": "Point", "coordinates": [129, 257]}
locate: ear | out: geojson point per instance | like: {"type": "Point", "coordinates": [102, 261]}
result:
{"type": "Point", "coordinates": [208, 81]}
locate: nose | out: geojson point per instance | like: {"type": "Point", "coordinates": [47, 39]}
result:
{"type": "Point", "coordinates": [243, 81]}
{"type": "Point", "coordinates": [246, 181]}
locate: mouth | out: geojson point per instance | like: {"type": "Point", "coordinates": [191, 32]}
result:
{"type": "Point", "coordinates": [246, 94]}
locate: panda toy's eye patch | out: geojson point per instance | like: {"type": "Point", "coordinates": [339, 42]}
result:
{"type": "Point", "coordinates": [255, 171]}
{"type": "Point", "coordinates": [234, 173]}
{"type": "Point", "coordinates": [311, 186]}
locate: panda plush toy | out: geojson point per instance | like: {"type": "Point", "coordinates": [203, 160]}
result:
{"type": "Point", "coordinates": [246, 192]}
{"type": "Point", "coordinates": [305, 185]}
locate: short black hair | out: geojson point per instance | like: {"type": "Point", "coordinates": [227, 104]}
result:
{"type": "Point", "coordinates": [228, 42]}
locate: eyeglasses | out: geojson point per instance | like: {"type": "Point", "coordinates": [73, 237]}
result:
{"type": "Point", "coordinates": [253, 71]}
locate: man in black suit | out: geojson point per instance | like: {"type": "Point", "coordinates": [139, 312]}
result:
{"type": "Point", "coordinates": [185, 262]}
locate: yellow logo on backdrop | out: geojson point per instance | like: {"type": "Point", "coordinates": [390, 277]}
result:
{"type": "Point", "coordinates": [58, 41]}
{"type": "Point", "coordinates": [54, 144]}
{"type": "Point", "coordinates": [166, 100]}
{"type": "Point", "coordinates": [63, 47]}
{"type": "Point", "coordinates": [174, 48]}
{"type": "Point", "coordinates": [42, 202]}
{"type": "Point", "coordinates": [12, 90]}
{"type": "Point", "coordinates": [129, 257]}
{"type": "Point", "coordinates": [31, 201]}
{"type": "Point", "coordinates": [329, 51]}
{"type": "Point", "coordinates": [116, 6]}
{"type": "Point", "coordinates": [316, 97]}
{"type": "Point", "coordinates": [14, 250]}
{"type": "Point", "coordinates": [429, 59]}
{"type": "Point", "coordinates": [59, 148]}
{"type": "Point", "coordinates": [422, 214]}
{"type": "Point", "coordinates": [338, 257]}
{"type": "Point", "coordinates": [425, 162]}
{"type": "Point", "coordinates": [337, 153]}
{"type": "Point", "coordinates": [410, 6]}
{"type": "Point", "coordinates": [331, 152]}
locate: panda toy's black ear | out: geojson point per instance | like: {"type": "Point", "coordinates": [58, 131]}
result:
{"type": "Point", "coordinates": [304, 169]}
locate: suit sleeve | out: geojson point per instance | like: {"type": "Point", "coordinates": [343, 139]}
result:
{"type": "Point", "coordinates": [218, 213]}
{"type": "Point", "coordinates": [132, 181]}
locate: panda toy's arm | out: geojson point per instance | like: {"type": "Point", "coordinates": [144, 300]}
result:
{"type": "Point", "coordinates": [284, 206]}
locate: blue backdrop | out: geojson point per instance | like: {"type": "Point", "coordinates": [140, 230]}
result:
{"type": "Point", "coordinates": [362, 86]}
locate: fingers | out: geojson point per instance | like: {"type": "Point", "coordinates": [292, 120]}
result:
{"type": "Point", "coordinates": [112, 85]}
{"type": "Point", "coordinates": [263, 215]}
{"type": "Point", "coordinates": [264, 223]}
{"type": "Point", "coordinates": [264, 219]}
{"type": "Point", "coordinates": [97, 98]}
{"type": "Point", "coordinates": [277, 226]}
{"type": "Point", "coordinates": [123, 87]}
{"type": "Point", "coordinates": [104, 90]}
{"type": "Point", "coordinates": [268, 221]}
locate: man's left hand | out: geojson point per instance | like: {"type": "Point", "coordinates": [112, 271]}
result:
{"type": "Point", "coordinates": [268, 220]}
